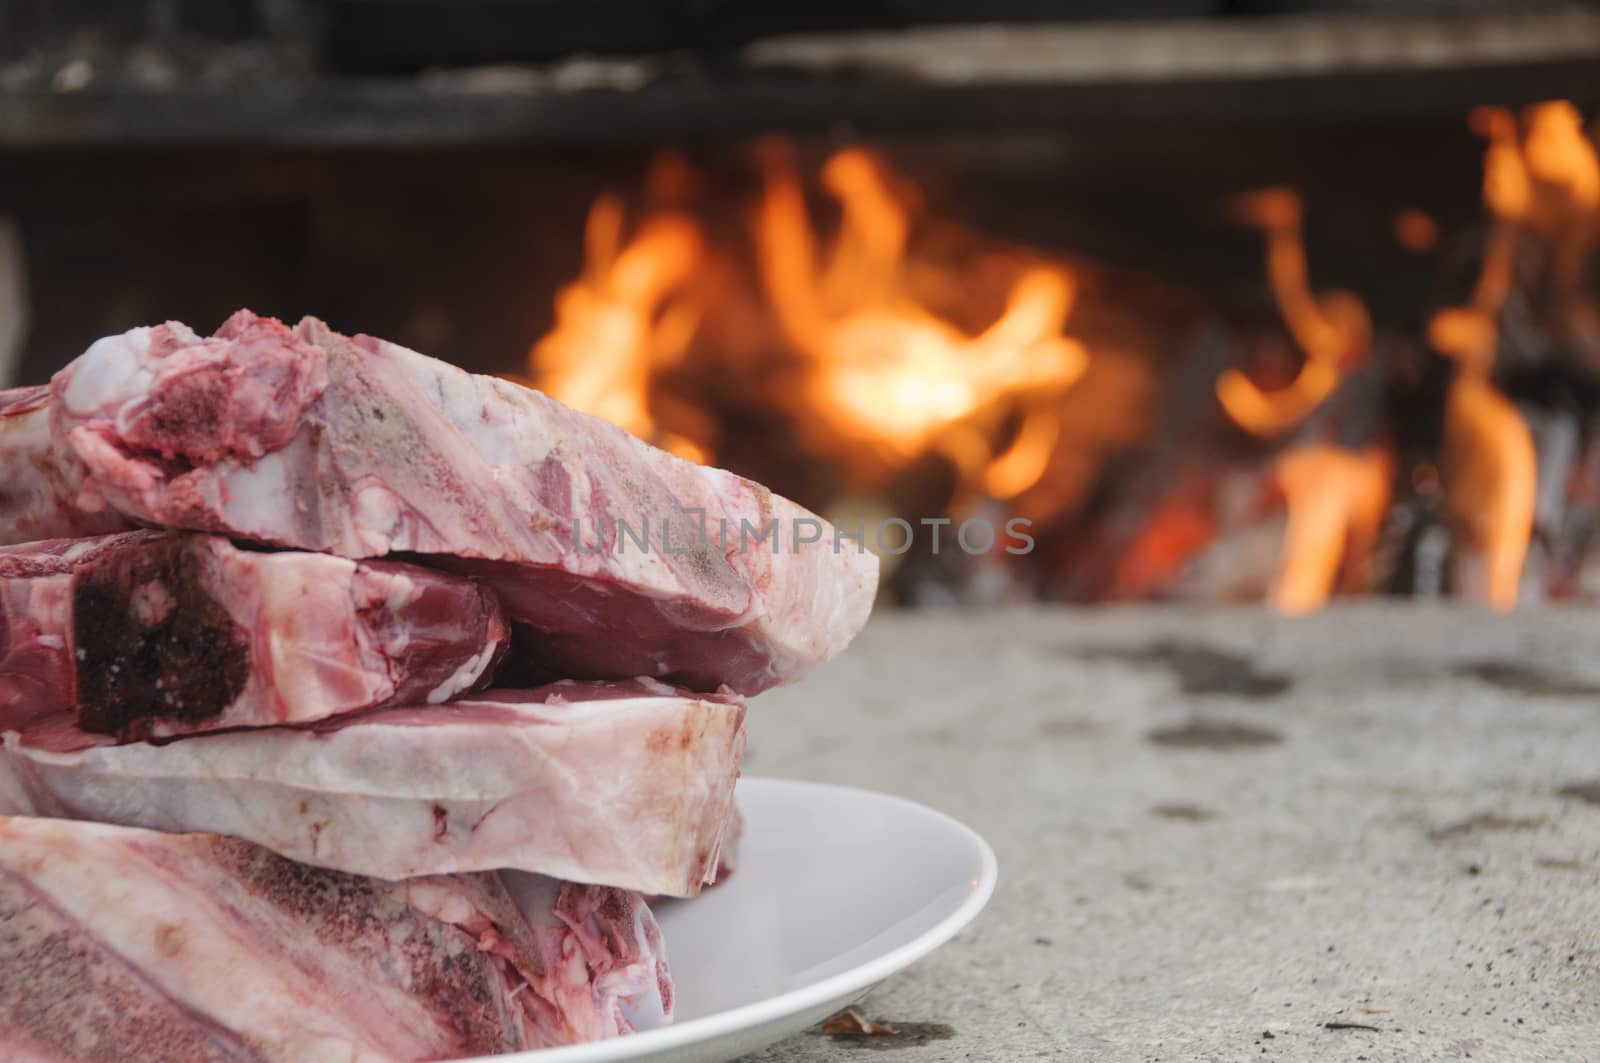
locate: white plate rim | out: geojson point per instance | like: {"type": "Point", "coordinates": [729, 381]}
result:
{"type": "Point", "coordinates": [845, 984]}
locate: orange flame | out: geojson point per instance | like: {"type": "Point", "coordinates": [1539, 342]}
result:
{"type": "Point", "coordinates": [1022, 466]}
{"type": "Point", "coordinates": [1335, 497]}
{"type": "Point", "coordinates": [1565, 161]}
{"type": "Point", "coordinates": [885, 370]}
{"type": "Point", "coordinates": [1508, 193]}
{"type": "Point", "coordinates": [1548, 179]}
{"type": "Point", "coordinates": [1506, 184]}
{"type": "Point", "coordinates": [623, 320]}
{"type": "Point", "coordinates": [1332, 329]}
{"type": "Point", "coordinates": [1560, 154]}
{"type": "Point", "coordinates": [1489, 455]}
{"type": "Point", "coordinates": [1336, 500]}
{"type": "Point", "coordinates": [1415, 230]}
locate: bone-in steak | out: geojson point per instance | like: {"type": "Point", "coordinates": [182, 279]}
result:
{"type": "Point", "coordinates": [622, 559]}
{"type": "Point", "coordinates": [120, 944]}
{"type": "Point", "coordinates": [158, 633]}
{"type": "Point", "coordinates": [626, 784]}
{"type": "Point", "coordinates": [39, 481]}
{"type": "Point", "coordinates": [37, 677]}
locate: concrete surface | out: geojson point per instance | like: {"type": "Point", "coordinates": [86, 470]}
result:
{"type": "Point", "coordinates": [1220, 832]}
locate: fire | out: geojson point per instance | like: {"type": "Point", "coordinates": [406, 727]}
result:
{"type": "Point", "coordinates": [1024, 464]}
{"type": "Point", "coordinates": [1565, 163]}
{"type": "Point", "coordinates": [1336, 501]}
{"type": "Point", "coordinates": [889, 349]}
{"type": "Point", "coordinates": [1507, 192]}
{"type": "Point", "coordinates": [1335, 497]}
{"type": "Point", "coordinates": [1332, 329]}
{"type": "Point", "coordinates": [882, 369]}
{"type": "Point", "coordinates": [1559, 153]}
{"type": "Point", "coordinates": [1546, 180]}
{"type": "Point", "coordinates": [623, 320]}
{"type": "Point", "coordinates": [1489, 456]}
{"type": "Point", "coordinates": [1543, 177]}
{"type": "Point", "coordinates": [1416, 230]}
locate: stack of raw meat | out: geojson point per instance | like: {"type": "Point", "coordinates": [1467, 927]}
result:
{"type": "Point", "coordinates": [346, 715]}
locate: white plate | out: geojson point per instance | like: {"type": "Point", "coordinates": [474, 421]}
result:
{"type": "Point", "coordinates": [836, 890]}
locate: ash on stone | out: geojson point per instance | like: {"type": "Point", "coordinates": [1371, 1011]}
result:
{"type": "Point", "coordinates": [1485, 822]}
{"type": "Point", "coordinates": [1219, 735]}
{"type": "Point", "coordinates": [1199, 669]}
{"type": "Point", "coordinates": [1510, 675]}
{"type": "Point", "coordinates": [1583, 791]}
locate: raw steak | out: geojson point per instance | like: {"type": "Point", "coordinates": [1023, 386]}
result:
{"type": "Point", "coordinates": [621, 558]}
{"type": "Point", "coordinates": [38, 481]}
{"type": "Point", "coordinates": [37, 677]}
{"type": "Point", "coordinates": [629, 784]}
{"type": "Point", "coordinates": [732, 840]}
{"type": "Point", "coordinates": [160, 633]}
{"type": "Point", "coordinates": [121, 944]}
{"type": "Point", "coordinates": [605, 965]}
